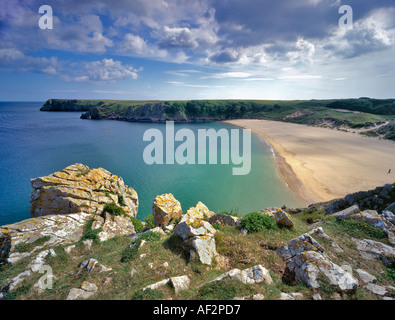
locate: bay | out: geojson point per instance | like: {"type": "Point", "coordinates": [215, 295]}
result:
{"type": "Point", "coordinates": [35, 143]}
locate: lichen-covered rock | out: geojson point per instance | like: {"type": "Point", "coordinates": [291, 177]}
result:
{"type": "Point", "coordinates": [198, 234]}
{"type": "Point", "coordinates": [77, 188]}
{"type": "Point", "coordinates": [370, 249]}
{"type": "Point", "coordinates": [61, 229]}
{"type": "Point", "coordinates": [115, 226]}
{"type": "Point", "coordinates": [86, 291]}
{"type": "Point", "coordinates": [225, 219]}
{"type": "Point", "coordinates": [280, 216]}
{"type": "Point", "coordinates": [306, 260]}
{"type": "Point", "coordinates": [166, 209]}
{"type": "Point", "coordinates": [253, 275]}
{"type": "Point", "coordinates": [199, 211]}
{"type": "Point", "coordinates": [341, 215]}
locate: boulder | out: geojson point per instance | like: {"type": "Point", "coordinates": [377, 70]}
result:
{"type": "Point", "coordinates": [199, 235]}
{"type": "Point", "coordinates": [61, 229]}
{"type": "Point", "coordinates": [341, 215]}
{"type": "Point", "coordinates": [165, 210]}
{"type": "Point", "coordinates": [390, 208]}
{"type": "Point", "coordinates": [115, 226]}
{"type": "Point", "coordinates": [225, 219]}
{"type": "Point", "coordinates": [373, 250]}
{"type": "Point", "coordinates": [306, 260]}
{"type": "Point", "coordinates": [86, 291]}
{"type": "Point", "coordinates": [253, 275]}
{"type": "Point", "coordinates": [77, 188]}
{"type": "Point", "coordinates": [280, 216]}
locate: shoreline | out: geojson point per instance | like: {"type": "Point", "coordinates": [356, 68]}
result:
{"type": "Point", "coordinates": [286, 172]}
{"type": "Point", "coordinates": [320, 164]}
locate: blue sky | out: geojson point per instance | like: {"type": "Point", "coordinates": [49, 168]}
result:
{"type": "Point", "coordinates": [205, 49]}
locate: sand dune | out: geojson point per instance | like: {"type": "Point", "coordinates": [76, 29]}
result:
{"type": "Point", "coordinates": [321, 164]}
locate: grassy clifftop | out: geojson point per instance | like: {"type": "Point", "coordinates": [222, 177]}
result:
{"type": "Point", "coordinates": [372, 116]}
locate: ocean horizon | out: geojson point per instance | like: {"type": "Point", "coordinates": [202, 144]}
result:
{"type": "Point", "coordinates": [36, 143]}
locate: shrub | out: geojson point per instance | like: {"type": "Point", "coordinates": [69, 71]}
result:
{"type": "Point", "coordinates": [121, 201]}
{"type": "Point", "coordinates": [113, 209]}
{"type": "Point", "coordinates": [138, 225]}
{"type": "Point", "coordinates": [150, 221]}
{"type": "Point", "coordinates": [256, 221]}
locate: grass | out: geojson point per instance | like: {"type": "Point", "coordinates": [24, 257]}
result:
{"type": "Point", "coordinates": [237, 251]}
{"type": "Point", "coordinates": [355, 228]}
{"type": "Point", "coordinates": [256, 221]}
{"type": "Point", "coordinates": [24, 247]}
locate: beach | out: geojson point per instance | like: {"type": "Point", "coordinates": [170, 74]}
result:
{"type": "Point", "coordinates": [321, 164]}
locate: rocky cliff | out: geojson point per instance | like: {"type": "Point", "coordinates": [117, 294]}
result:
{"type": "Point", "coordinates": [85, 232]}
{"type": "Point", "coordinates": [78, 188]}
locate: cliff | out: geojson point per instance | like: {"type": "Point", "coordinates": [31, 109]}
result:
{"type": "Point", "coordinates": [89, 245]}
{"type": "Point", "coordinates": [372, 117]}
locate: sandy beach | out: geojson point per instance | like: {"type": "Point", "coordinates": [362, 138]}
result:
{"type": "Point", "coordinates": [321, 164]}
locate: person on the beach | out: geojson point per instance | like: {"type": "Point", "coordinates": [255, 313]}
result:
{"type": "Point", "coordinates": [389, 171]}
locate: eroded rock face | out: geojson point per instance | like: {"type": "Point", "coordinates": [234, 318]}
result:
{"type": "Point", "coordinates": [198, 234]}
{"type": "Point", "coordinates": [77, 188]}
{"type": "Point", "coordinates": [165, 209]}
{"type": "Point", "coordinates": [61, 229]}
{"type": "Point", "coordinates": [306, 259]}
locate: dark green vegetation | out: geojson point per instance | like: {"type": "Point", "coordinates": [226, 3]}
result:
{"type": "Point", "coordinates": [372, 117]}
{"type": "Point", "coordinates": [255, 222]}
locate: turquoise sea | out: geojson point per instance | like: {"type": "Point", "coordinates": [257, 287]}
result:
{"type": "Point", "coordinates": [34, 143]}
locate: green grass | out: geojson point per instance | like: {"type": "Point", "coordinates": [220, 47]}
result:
{"type": "Point", "coordinates": [355, 228]}
{"type": "Point", "coordinates": [256, 221]}
{"type": "Point", "coordinates": [24, 247]}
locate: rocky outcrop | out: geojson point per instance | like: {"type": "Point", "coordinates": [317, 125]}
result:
{"type": "Point", "coordinates": [112, 226]}
{"type": "Point", "coordinates": [198, 234]}
{"type": "Point", "coordinates": [280, 216]}
{"type": "Point", "coordinates": [306, 261]}
{"type": "Point", "coordinates": [384, 221]}
{"type": "Point", "coordinates": [253, 275]}
{"type": "Point", "coordinates": [374, 250]}
{"type": "Point", "coordinates": [224, 219]}
{"type": "Point", "coordinates": [59, 229]}
{"type": "Point", "coordinates": [77, 188]}
{"type": "Point", "coordinates": [377, 199]}
{"type": "Point", "coordinates": [166, 209]}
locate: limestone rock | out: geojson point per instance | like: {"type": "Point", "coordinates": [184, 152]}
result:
{"type": "Point", "coordinates": [62, 229]}
{"type": "Point", "coordinates": [253, 275]}
{"type": "Point", "coordinates": [115, 226]}
{"type": "Point", "coordinates": [39, 261]}
{"type": "Point", "coordinates": [86, 291]}
{"type": "Point", "coordinates": [166, 209]}
{"type": "Point", "coordinates": [376, 289]}
{"type": "Point", "coordinates": [365, 277]}
{"type": "Point", "coordinates": [77, 188]}
{"type": "Point", "coordinates": [341, 215]}
{"type": "Point", "coordinates": [180, 283]}
{"type": "Point", "coordinates": [280, 216]}
{"type": "Point", "coordinates": [306, 259]}
{"type": "Point", "coordinates": [224, 219]}
{"type": "Point", "coordinates": [390, 208]}
{"type": "Point", "coordinates": [199, 235]}
{"type": "Point", "coordinates": [370, 249]}
{"type": "Point", "coordinates": [291, 296]}
{"type": "Point", "coordinates": [93, 265]}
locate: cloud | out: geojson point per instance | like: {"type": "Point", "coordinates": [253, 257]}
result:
{"type": "Point", "coordinates": [105, 70]}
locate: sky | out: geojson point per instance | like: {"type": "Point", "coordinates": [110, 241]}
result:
{"type": "Point", "coordinates": [203, 49]}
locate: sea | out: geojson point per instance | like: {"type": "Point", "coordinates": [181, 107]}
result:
{"type": "Point", "coordinates": [35, 143]}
